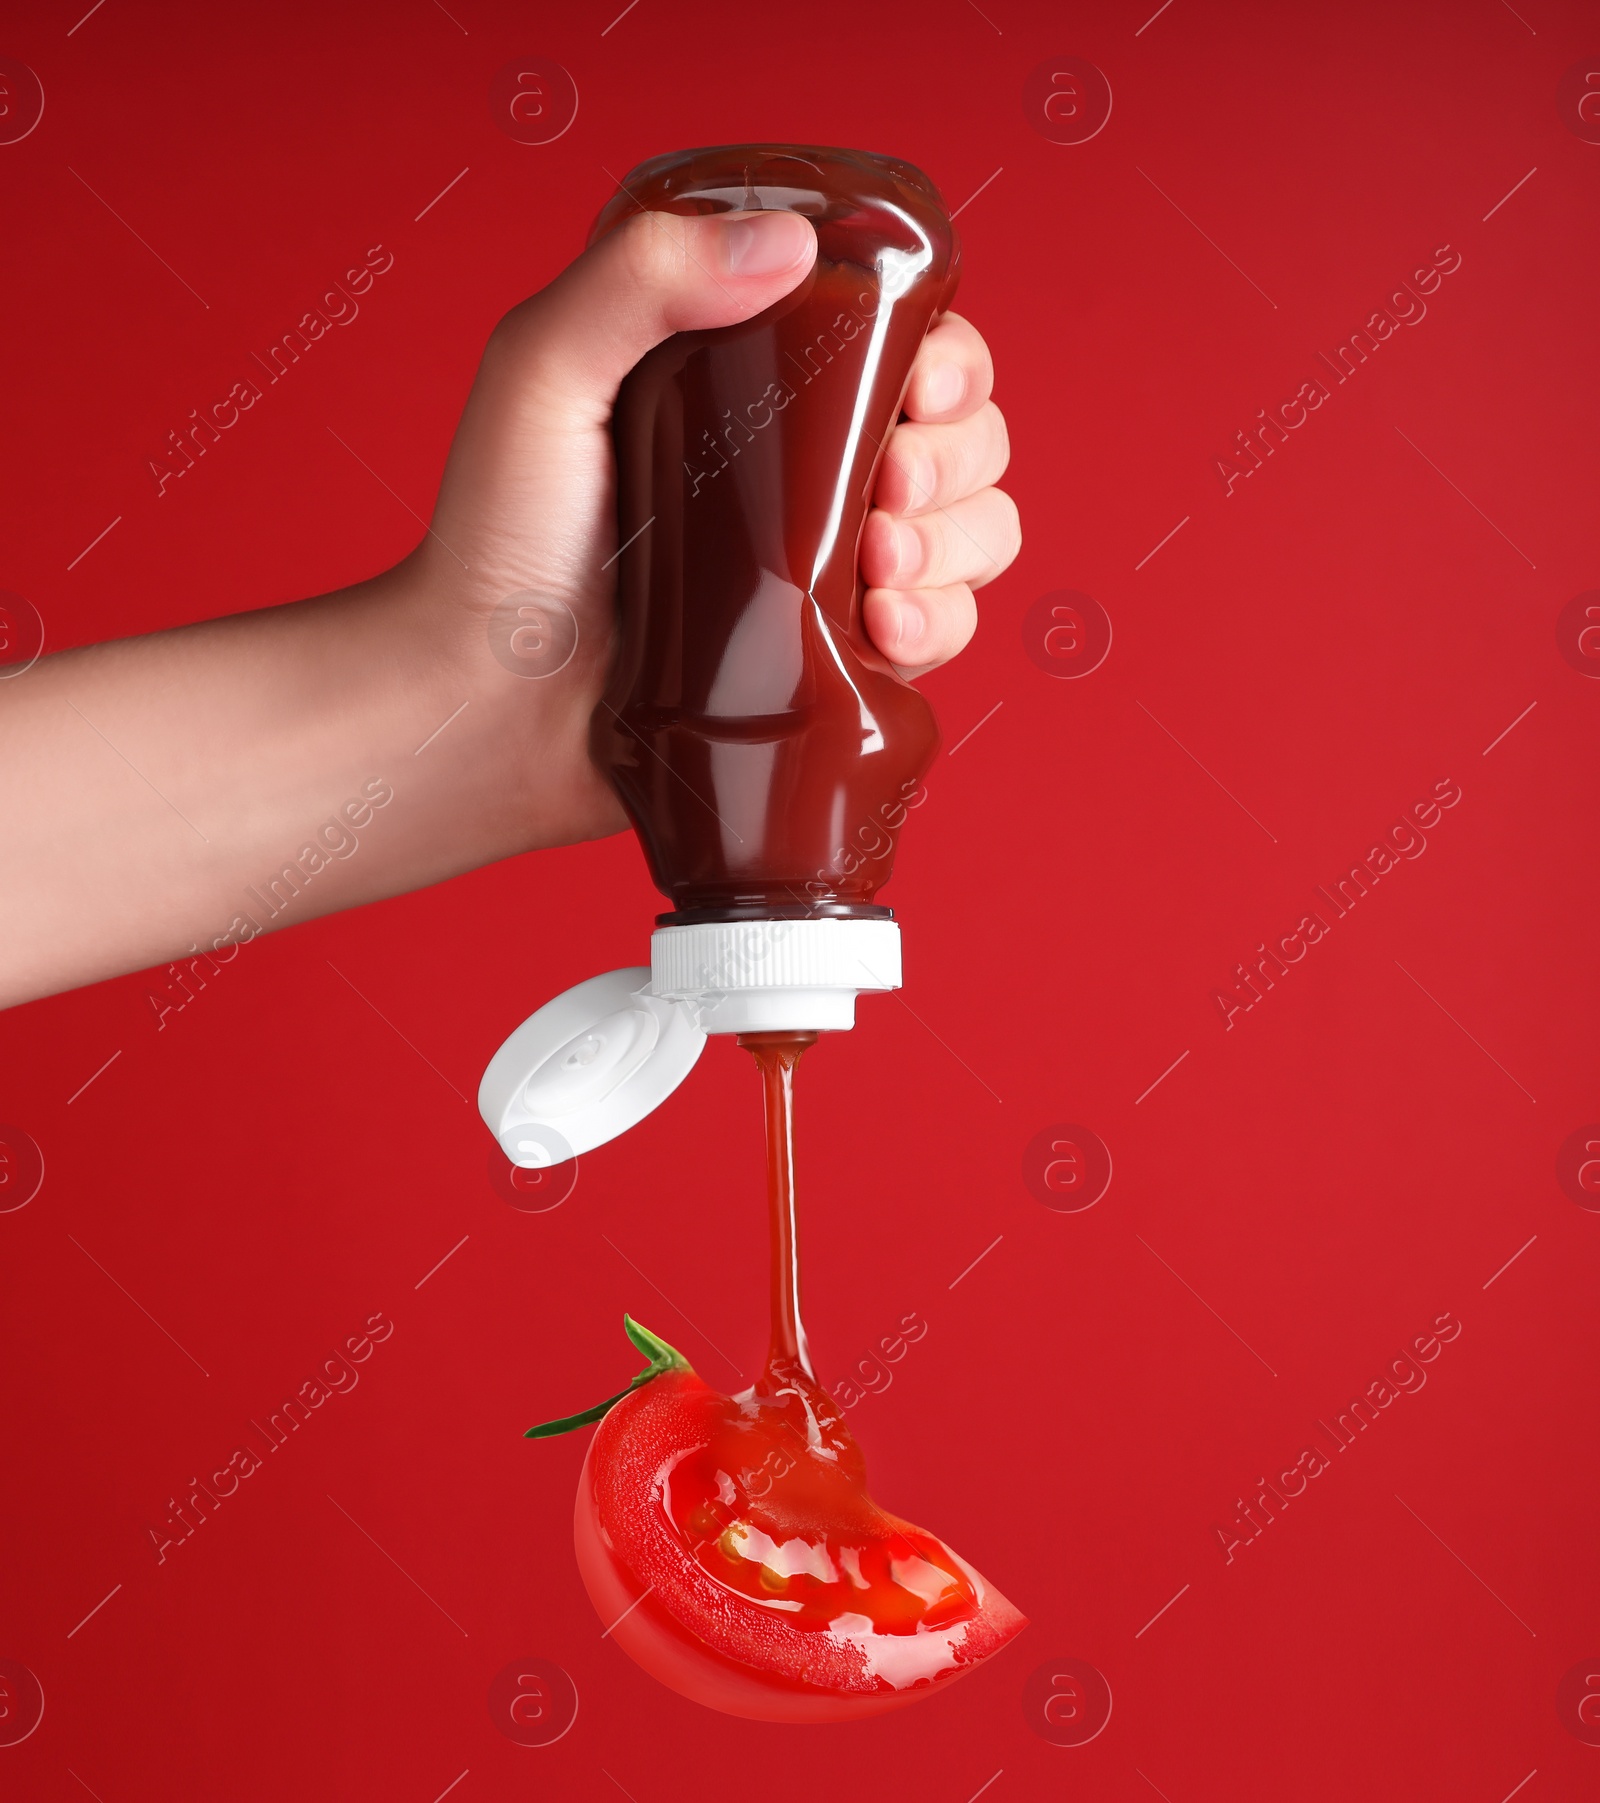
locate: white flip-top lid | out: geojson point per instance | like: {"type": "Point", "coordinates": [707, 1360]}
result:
{"type": "Point", "coordinates": [588, 1066]}
{"type": "Point", "coordinates": [600, 1057]}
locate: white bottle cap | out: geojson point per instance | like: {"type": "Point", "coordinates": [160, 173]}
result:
{"type": "Point", "coordinates": [588, 1066]}
{"type": "Point", "coordinates": [770, 976]}
{"type": "Point", "coordinates": [600, 1057]}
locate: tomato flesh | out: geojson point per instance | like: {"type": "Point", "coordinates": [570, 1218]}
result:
{"type": "Point", "coordinates": [731, 1547]}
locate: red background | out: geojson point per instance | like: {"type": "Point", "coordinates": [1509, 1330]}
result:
{"type": "Point", "coordinates": [1342, 1164]}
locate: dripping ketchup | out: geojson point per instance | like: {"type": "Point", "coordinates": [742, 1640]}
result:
{"type": "Point", "coordinates": [730, 1542]}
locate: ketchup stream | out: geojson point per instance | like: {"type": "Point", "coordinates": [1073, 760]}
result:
{"type": "Point", "coordinates": [776, 1056]}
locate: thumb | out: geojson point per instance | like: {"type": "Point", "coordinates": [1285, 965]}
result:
{"type": "Point", "coordinates": [653, 275]}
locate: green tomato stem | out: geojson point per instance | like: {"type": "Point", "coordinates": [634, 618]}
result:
{"type": "Point", "coordinates": [662, 1357]}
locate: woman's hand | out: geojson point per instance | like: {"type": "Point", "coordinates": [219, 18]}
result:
{"type": "Point", "coordinates": [528, 499]}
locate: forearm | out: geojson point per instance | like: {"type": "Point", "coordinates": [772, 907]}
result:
{"type": "Point", "coordinates": [166, 793]}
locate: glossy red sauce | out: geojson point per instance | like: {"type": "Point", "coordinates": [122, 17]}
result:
{"type": "Point", "coordinates": [775, 1505]}
{"type": "Point", "coordinates": [731, 1542]}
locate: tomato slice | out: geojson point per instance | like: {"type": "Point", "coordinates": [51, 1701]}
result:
{"type": "Point", "coordinates": [731, 1548]}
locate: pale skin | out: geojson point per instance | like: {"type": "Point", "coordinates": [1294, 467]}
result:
{"type": "Point", "coordinates": [150, 780]}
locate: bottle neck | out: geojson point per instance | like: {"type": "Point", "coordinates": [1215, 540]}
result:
{"type": "Point", "coordinates": [761, 910]}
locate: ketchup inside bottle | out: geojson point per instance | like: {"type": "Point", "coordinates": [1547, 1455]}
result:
{"type": "Point", "coordinates": [763, 748]}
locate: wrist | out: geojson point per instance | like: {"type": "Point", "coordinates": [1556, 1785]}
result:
{"type": "Point", "coordinates": [503, 687]}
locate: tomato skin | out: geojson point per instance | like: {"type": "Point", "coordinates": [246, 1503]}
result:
{"type": "Point", "coordinates": [706, 1641]}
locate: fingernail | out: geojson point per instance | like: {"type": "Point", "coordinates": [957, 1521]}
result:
{"type": "Point", "coordinates": [919, 479]}
{"type": "Point", "coordinates": [946, 385]}
{"type": "Point", "coordinates": [764, 243]}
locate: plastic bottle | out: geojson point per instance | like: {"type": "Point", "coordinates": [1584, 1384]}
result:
{"type": "Point", "coordinates": [765, 751]}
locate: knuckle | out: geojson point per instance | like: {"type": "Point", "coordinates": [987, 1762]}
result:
{"type": "Point", "coordinates": [968, 544]}
{"type": "Point", "coordinates": [971, 452]}
{"type": "Point", "coordinates": [999, 440]}
{"type": "Point", "coordinates": [980, 456]}
{"type": "Point", "coordinates": [952, 453]}
{"type": "Point", "coordinates": [931, 547]}
{"type": "Point", "coordinates": [961, 619]}
{"type": "Point", "coordinates": [651, 247]}
{"type": "Point", "coordinates": [941, 547]}
{"type": "Point", "coordinates": [511, 330]}
{"type": "Point", "coordinates": [949, 456]}
{"type": "Point", "coordinates": [1002, 532]}
{"type": "Point", "coordinates": [904, 447]}
{"type": "Point", "coordinates": [980, 364]}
